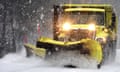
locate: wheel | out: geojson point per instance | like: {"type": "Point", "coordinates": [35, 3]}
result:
{"type": "Point", "coordinates": [109, 51]}
{"type": "Point", "coordinates": [99, 66]}
{"type": "Point", "coordinates": [113, 51]}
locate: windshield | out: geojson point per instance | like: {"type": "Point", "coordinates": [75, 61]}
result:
{"type": "Point", "coordinates": [82, 17]}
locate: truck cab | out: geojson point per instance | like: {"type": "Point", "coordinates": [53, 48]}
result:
{"type": "Point", "coordinates": [73, 22]}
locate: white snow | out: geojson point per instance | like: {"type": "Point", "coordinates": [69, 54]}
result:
{"type": "Point", "coordinates": [42, 8]}
{"type": "Point", "coordinates": [41, 16]}
{"type": "Point", "coordinates": [19, 63]}
{"type": "Point", "coordinates": [72, 57]}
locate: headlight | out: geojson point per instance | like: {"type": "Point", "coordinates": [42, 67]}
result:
{"type": "Point", "coordinates": [66, 26]}
{"type": "Point", "coordinates": [91, 27]}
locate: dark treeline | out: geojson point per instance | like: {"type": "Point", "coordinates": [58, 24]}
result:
{"type": "Point", "coordinates": [16, 18]}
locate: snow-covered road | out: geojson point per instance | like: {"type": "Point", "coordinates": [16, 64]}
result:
{"type": "Point", "coordinates": [19, 63]}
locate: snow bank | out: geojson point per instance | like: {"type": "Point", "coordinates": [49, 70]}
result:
{"type": "Point", "coordinates": [19, 63]}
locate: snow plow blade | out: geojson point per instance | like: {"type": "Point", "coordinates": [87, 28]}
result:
{"type": "Point", "coordinates": [92, 46]}
{"type": "Point", "coordinates": [38, 51]}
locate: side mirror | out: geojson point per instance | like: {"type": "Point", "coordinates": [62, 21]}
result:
{"type": "Point", "coordinates": [113, 21]}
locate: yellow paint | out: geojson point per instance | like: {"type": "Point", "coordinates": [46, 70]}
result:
{"type": "Point", "coordinates": [93, 5]}
{"type": "Point", "coordinates": [92, 45]}
{"type": "Point", "coordinates": [38, 51]}
{"type": "Point", "coordinates": [85, 9]}
{"type": "Point", "coordinates": [95, 49]}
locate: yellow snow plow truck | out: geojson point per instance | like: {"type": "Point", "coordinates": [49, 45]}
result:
{"type": "Point", "coordinates": [81, 32]}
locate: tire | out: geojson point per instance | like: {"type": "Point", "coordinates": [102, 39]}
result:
{"type": "Point", "coordinates": [109, 51]}
{"type": "Point", "coordinates": [113, 51]}
{"type": "Point", "coordinates": [99, 66]}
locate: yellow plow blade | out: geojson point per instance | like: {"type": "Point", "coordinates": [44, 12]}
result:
{"type": "Point", "coordinates": [95, 49]}
{"type": "Point", "coordinates": [93, 46]}
{"type": "Point", "coordinates": [38, 51]}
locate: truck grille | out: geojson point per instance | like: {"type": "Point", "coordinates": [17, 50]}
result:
{"type": "Point", "coordinates": [76, 35]}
